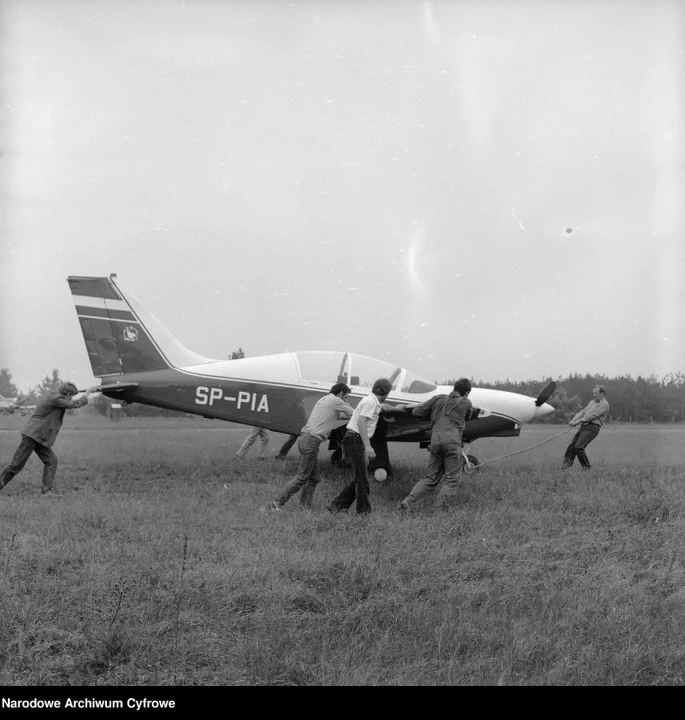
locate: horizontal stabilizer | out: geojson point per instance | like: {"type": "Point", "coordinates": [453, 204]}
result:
{"type": "Point", "coordinates": [113, 387]}
{"type": "Point", "coordinates": [117, 387]}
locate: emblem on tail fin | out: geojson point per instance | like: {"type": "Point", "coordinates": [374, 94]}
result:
{"type": "Point", "coordinates": [130, 334]}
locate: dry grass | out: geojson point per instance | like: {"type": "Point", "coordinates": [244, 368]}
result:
{"type": "Point", "coordinates": [159, 566]}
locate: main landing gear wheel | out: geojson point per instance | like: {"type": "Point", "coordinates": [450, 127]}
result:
{"type": "Point", "coordinates": [471, 464]}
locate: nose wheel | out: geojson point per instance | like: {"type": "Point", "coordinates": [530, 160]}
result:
{"type": "Point", "coordinates": [471, 462]}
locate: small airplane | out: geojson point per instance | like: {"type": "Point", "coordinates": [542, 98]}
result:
{"type": "Point", "coordinates": [8, 405]}
{"type": "Point", "coordinates": [138, 360]}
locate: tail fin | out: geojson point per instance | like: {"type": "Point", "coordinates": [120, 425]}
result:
{"type": "Point", "coordinates": [116, 330]}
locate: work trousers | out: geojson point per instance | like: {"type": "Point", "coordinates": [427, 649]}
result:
{"type": "Point", "coordinates": [358, 489]}
{"type": "Point", "coordinates": [22, 454]}
{"type": "Point", "coordinates": [445, 459]}
{"type": "Point", "coordinates": [285, 448]}
{"type": "Point", "coordinates": [307, 477]}
{"type": "Point", "coordinates": [585, 435]}
{"type": "Point", "coordinates": [255, 433]}
{"type": "Point", "coordinates": [379, 443]}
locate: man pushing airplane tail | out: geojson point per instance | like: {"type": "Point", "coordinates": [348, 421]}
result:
{"type": "Point", "coordinates": [40, 432]}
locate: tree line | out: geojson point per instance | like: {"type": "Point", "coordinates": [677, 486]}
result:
{"type": "Point", "coordinates": [632, 400]}
{"type": "Point", "coordinates": [8, 388]}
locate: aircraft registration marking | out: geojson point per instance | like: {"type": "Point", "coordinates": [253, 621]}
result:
{"type": "Point", "coordinates": [207, 396]}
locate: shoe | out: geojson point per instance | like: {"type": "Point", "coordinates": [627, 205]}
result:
{"type": "Point", "coordinates": [332, 509]}
{"type": "Point", "coordinates": [273, 505]}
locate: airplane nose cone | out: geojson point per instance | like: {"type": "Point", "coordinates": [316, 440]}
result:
{"type": "Point", "coordinates": [544, 409]}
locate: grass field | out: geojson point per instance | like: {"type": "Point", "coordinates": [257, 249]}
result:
{"type": "Point", "coordinates": [159, 566]}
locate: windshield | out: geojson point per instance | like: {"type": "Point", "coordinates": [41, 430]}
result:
{"type": "Point", "coordinates": [414, 384]}
{"type": "Point", "coordinates": [358, 371]}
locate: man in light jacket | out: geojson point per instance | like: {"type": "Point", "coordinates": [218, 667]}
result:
{"type": "Point", "coordinates": [325, 415]}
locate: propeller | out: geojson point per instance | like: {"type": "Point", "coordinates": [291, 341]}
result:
{"type": "Point", "coordinates": [545, 395]}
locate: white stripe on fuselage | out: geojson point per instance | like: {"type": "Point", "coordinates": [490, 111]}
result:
{"type": "Point", "coordinates": [96, 302]}
{"type": "Point", "coordinates": [128, 321]}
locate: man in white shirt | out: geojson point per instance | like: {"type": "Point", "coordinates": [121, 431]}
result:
{"type": "Point", "coordinates": [590, 419]}
{"type": "Point", "coordinates": [326, 414]}
{"type": "Point", "coordinates": [357, 444]}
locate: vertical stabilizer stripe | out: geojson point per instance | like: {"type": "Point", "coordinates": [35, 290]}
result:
{"type": "Point", "coordinates": [88, 302]}
{"type": "Point", "coordinates": [105, 313]}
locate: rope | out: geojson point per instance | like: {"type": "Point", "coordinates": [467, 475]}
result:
{"type": "Point", "coordinates": [518, 452]}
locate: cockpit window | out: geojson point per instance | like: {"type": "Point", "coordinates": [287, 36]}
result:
{"type": "Point", "coordinates": [364, 371]}
{"type": "Point", "coordinates": [358, 371]}
{"type": "Point", "coordinates": [415, 384]}
{"type": "Point", "coordinates": [321, 366]}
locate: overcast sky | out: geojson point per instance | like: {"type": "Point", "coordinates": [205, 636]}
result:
{"type": "Point", "coordinates": [488, 189]}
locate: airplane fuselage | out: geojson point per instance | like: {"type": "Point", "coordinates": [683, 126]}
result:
{"type": "Point", "coordinates": [138, 360]}
{"type": "Point", "coordinates": [284, 407]}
